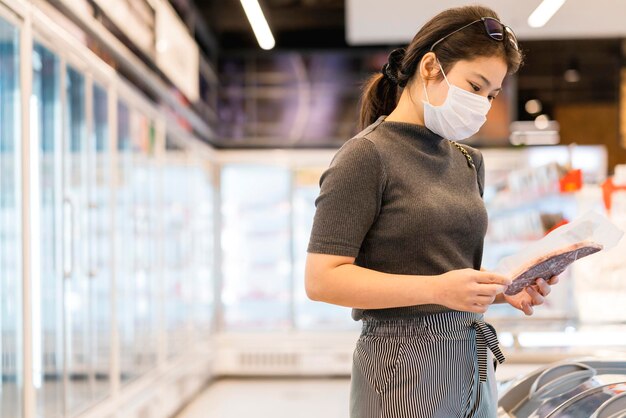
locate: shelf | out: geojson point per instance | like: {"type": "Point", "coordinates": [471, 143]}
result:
{"type": "Point", "coordinates": [509, 204]}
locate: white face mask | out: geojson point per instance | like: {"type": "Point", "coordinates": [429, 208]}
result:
{"type": "Point", "coordinates": [460, 116]}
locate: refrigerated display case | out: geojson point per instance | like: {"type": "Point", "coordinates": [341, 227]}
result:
{"type": "Point", "coordinates": [256, 247]}
{"type": "Point", "coordinates": [188, 262]}
{"type": "Point", "coordinates": [83, 237]}
{"type": "Point", "coordinates": [71, 275]}
{"type": "Point", "coordinates": [266, 323]}
{"type": "Point", "coordinates": [177, 248]}
{"type": "Point", "coordinates": [100, 236]}
{"type": "Point", "coordinates": [11, 384]}
{"type": "Point", "coordinates": [46, 131]}
{"type": "Point", "coordinates": [525, 199]}
{"type": "Point", "coordinates": [136, 249]}
{"type": "Point", "coordinates": [144, 217]}
{"type": "Point", "coordinates": [125, 241]}
{"type": "Point", "coordinates": [267, 209]}
{"type": "Point", "coordinates": [580, 388]}
{"type": "Point", "coordinates": [85, 224]}
{"type": "Point", "coordinates": [201, 181]}
{"type": "Point", "coordinates": [77, 306]}
{"type": "Point", "coordinates": [599, 283]}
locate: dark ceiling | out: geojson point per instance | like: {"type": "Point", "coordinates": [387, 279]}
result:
{"type": "Point", "coordinates": [294, 23]}
{"type": "Point", "coordinates": [310, 36]}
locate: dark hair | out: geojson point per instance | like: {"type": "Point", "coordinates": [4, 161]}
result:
{"type": "Point", "coordinates": [381, 92]}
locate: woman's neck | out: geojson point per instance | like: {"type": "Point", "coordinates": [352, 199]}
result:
{"type": "Point", "coordinates": [409, 109]}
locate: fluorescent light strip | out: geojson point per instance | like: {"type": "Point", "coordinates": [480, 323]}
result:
{"type": "Point", "coordinates": [544, 12]}
{"type": "Point", "coordinates": [259, 24]}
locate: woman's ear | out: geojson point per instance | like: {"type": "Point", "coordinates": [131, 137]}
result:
{"type": "Point", "coordinates": [429, 67]}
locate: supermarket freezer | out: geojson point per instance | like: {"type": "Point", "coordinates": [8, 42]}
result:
{"type": "Point", "coordinates": [576, 389]}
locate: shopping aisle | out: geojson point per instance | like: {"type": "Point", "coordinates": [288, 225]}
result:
{"type": "Point", "coordinates": [292, 397]}
{"type": "Point", "coordinates": [272, 398]}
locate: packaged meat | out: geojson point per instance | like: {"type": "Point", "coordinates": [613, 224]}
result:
{"type": "Point", "coordinates": [551, 264]}
{"type": "Point", "coordinates": [552, 254]}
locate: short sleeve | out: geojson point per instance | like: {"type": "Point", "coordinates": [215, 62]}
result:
{"type": "Point", "coordinates": [349, 201]}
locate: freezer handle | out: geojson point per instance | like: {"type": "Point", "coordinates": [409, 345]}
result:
{"type": "Point", "coordinates": [68, 238]}
{"type": "Point", "coordinates": [612, 408]}
{"type": "Point", "coordinates": [550, 381]}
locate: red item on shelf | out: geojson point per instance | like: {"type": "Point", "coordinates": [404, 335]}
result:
{"type": "Point", "coordinates": [608, 187]}
{"type": "Point", "coordinates": [572, 181]}
{"type": "Point", "coordinates": [560, 223]}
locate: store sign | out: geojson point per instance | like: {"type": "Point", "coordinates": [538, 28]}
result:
{"type": "Point", "coordinates": [177, 53]}
{"type": "Point", "coordinates": [136, 19]}
{"type": "Point", "coordinates": [534, 133]}
{"type": "Point", "coordinates": [576, 19]}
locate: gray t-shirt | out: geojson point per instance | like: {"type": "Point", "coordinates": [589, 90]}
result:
{"type": "Point", "coordinates": [402, 200]}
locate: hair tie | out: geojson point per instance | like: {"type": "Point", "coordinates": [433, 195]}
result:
{"type": "Point", "coordinates": [391, 68]}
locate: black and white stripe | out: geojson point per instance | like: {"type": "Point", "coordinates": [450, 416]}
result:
{"type": "Point", "coordinates": [432, 366]}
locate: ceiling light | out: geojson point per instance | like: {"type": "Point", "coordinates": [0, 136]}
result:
{"type": "Point", "coordinates": [542, 121]}
{"type": "Point", "coordinates": [571, 76]}
{"type": "Point", "coordinates": [544, 12]}
{"type": "Point", "coordinates": [259, 25]}
{"type": "Point", "coordinates": [533, 106]}
{"type": "Point", "coordinates": [572, 73]}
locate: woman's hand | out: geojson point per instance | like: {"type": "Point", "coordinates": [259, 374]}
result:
{"type": "Point", "coordinates": [532, 295]}
{"type": "Point", "coordinates": [469, 290]}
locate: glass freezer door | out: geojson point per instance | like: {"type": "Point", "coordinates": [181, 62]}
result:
{"type": "Point", "coordinates": [144, 215]}
{"type": "Point", "coordinates": [100, 236]}
{"type": "Point", "coordinates": [177, 249]}
{"type": "Point", "coordinates": [47, 280]}
{"type": "Point", "coordinates": [78, 309]}
{"type": "Point", "coordinates": [203, 258]}
{"type": "Point", "coordinates": [256, 247]}
{"type": "Point", "coordinates": [71, 277]}
{"type": "Point", "coordinates": [136, 239]}
{"type": "Point", "coordinates": [10, 224]}
{"type": "Point", "coordinates": [87, 242]}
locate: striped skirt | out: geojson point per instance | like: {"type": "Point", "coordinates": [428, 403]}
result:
{"type": "Point", "coordinates": [433, 366]}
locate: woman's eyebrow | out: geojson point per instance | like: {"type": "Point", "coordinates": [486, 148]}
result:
{"type": "Point", "coordinates": [486, 80]}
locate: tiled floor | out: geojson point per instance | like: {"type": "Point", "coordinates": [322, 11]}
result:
{"type": "Point", "coordinates": [289, 397]}
{"type": "Point", "coordinates": [272, 398]}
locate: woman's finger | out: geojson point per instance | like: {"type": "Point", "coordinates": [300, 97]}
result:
{"type": "Point", "coordinates": [484, 299]}
{"type": "Point", "coordinates": [536, 298]}
{"type": "Point", "coordinates": [526, 308]}
{"type": "Point", "coordinates": [553, 280]}
{"type": "Point", "coordinates": [543, 287]}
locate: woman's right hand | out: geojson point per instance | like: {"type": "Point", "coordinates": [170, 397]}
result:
{"type": "Point", "coordinates": [469, 290]}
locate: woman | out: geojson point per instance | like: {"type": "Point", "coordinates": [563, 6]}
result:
{"type": "Point", "coordinates": [400, 222]}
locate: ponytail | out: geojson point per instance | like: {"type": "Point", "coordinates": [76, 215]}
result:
{"type": "Point", "coordinates": [381, 92]}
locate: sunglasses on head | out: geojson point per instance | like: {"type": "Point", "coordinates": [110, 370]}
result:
{"type": "Point", "coordinates": [494, 28]}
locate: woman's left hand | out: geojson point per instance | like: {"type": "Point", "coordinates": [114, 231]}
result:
{"type": "Point", "coordinates": [532, 295]}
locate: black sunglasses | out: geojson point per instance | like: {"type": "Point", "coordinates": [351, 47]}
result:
{"type": "Point", "coordinates": [494, 28]}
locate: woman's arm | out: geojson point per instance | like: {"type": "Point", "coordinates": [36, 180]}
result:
{"type": "Point", "coordinates": [335, 279]}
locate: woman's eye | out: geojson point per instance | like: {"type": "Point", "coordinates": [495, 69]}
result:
{"type": "Point", "coordinates": [475, 87]}
{"type": "Point", "coordinates": [491, 98]}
